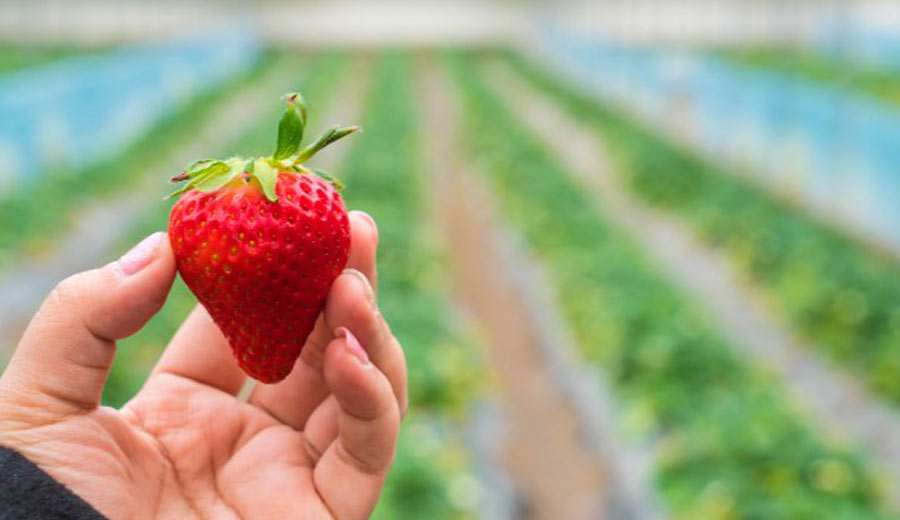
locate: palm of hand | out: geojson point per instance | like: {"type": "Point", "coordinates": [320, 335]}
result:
{"type": "Point", "coordinates": [316, 445]}
{"type": "Point", "coordinates": [183, 449]}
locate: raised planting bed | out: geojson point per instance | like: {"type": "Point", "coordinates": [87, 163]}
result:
{"type": "Point", "coordinates": [880, 83]}
{"type": "Point", "coordinates": [730, 443]}
{"type": "Point", "coordinates": [838, 292]}
{"type": "Point", "coordinates": [14, 57]}
{"type": "Point", "coordinates": [383, 174]}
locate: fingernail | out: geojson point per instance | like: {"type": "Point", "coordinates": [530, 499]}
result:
{"type": "Point", "coordinates": [367, 287]}
{"type": "Point", "coordinates": [140, 255]}
{"type": "Point", "coordinates": [352, 344]}
{"type": "Point", "coordinates": [370, 221]}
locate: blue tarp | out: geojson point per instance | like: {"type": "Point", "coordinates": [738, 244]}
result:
{"type": "Point", "coordinates": [837, 150]}
{"type": "Point", "coordinates": [71, 113]}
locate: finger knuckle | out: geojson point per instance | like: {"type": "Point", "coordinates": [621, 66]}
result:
{"type": "Point", "coordinates": [374, 463]}
{"type": "Point", "coordinates": [67, 293]}
{"type": "Point", "coordinates": [156, 299]}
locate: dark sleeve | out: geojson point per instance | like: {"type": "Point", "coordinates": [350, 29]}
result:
{"type": "Point", "coordinates": [27, 492]}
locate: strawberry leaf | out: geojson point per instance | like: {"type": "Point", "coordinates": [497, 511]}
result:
{"type": "Point", "coordinates": [290, 128]}
{"type": "Point", "coordinates": [198, 165]}
{"type": "Point", "coordinates": [198, 173]}
{"type": "Point", "coordinates": [267, 177]}
{"type": "Point", "coordinates": [216, 175]}
{"type": "Point", "coordinates": [208, 175]}
{"type": "Point", "coordinates": [338, 185]}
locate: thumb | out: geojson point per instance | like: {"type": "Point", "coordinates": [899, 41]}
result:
{"type": "Point", "coordinates": [68, 348]}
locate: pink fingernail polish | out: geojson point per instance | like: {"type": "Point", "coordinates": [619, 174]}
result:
{"type": "Point", "coordinates": [352, 344]}
{"type": "Point", "coordinates": [139, 256]}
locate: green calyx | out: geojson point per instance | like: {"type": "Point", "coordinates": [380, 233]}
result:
{"type": "Point", "coordinates": [209, 175]}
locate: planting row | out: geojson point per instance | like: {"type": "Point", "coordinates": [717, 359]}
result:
{"type": "Point", "coordinates": [878, 82]}
{"type": "Point", "coordinates": [14, 57]}
{"type": "Point", "coordinates": [831, 149]}
{"type": "Point", "coordinates": [730, 445]}
{"type": "Point", "coordinates": [840, 294]}
{"type": "Point", "coordinates": [383, 174]}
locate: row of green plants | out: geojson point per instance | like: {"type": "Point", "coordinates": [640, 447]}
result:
{"type": "Point", "coordinates": [844, 72]}
{"type": "Point", "coordinates": [381, 172]}
{"type": "Point", "coordinates": [731, 445]}
{"type": "Point", "coordinates": [34, 215]}
{"type": "Point", "coordinates": [383, 175]}
{"type": "Point", "coordinates": [839, 293]}
{"type": "Point", "coordinates": [14, 57]}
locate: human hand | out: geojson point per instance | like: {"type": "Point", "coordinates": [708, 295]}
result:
{"type": "Point", "coordinates": [316, 445]}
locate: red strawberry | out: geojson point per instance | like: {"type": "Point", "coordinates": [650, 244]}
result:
{"type": "Point", "coordinates": [259, 242]}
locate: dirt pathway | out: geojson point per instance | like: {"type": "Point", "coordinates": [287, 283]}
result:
{"type": "Point", "coordinates": [100, 227]}
{"type": "Point", "coordinates": [834, 399]}
{"type": "Point", "coordinates": [548, 451]}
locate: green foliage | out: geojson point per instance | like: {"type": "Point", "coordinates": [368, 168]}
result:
{"type": "Point", "coordinates": [428, 463]}
{"type": "Point", "coordinates": [382, 173]}
{"type": "Point", "coordinates": [732, 446]}
{"type": "Point", "coordinates": [846, 73]}
{"type": "Point", "coordinates": [267, 177]}
{"type": "Point", "coordinates": [840, 294]}
{"type": "Point", "coordinates": [16, 56]}
{"type": "Point", "coordinates": [291, 127]}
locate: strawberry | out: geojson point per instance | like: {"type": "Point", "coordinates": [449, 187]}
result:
{"type": "Point", "coordinates": [259, 242]}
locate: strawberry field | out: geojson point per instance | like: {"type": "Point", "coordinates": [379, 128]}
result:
{"type": "Point", "coordinates": [609, 307]}
{"type": "Point", "coordinates": [876, 81]}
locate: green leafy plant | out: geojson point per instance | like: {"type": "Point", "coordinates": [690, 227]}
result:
{"type": "Point", "coordinates": [383, 176]}
{"type": "Point", "coordinates": [14, 57]}
{"type": "Point", "coordinates": [731, 445]}
{"type": "Point", "coordinates": [834, 70]}
{"type": "Point", "coordinates": [838, 292]}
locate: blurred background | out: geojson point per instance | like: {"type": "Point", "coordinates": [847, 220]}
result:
{"type": "Point", "coordinates": [643, 255]}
